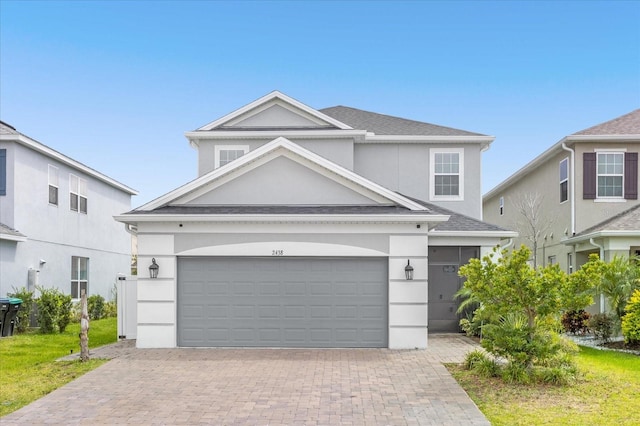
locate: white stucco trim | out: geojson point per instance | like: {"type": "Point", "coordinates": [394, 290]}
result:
{"type": "Point", "coordinates": [267, 99]}
{"type": "Point", "coordinates": [373, 138]}
{"type": "Point", "coordinates": [602, 234]}
{"type": "Point", "coordinates": [11, 237]}
{"type": "Point", "coordinates": [283, 248]}
{"type": "Point", "coordinates": [271, 148]}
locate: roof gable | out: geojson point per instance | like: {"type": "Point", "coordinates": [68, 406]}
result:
{"type": "Point", "coordinates": [274, 111]}
{"type": "Point", "coordinates": [627, 124]}
{"type": "Point", "coordinates": [328, 173]}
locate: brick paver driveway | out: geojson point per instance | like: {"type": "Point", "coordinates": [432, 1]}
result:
{"type": "Point", "coordinates": [265, 387]}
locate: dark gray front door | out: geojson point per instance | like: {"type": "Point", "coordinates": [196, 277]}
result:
{"type": "Point", "coordinates": [282, 302]}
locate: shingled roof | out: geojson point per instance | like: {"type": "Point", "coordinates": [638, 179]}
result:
{"type": "Point", "coordinates": [382, 124]}
{"type": "Point", "coordinates": [628, 220]}
{"type": "Point", "coordinates": [628, 124]}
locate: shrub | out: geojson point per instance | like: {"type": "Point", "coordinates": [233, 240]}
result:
{"type": "Point", "coordinates": [54, 310]}
{"type": "Point", "coordinates": [631, 320]}
{"type": "Point", "coordinates": [95, 307]}
{"type": "Point", "coordinates": [23, 318]}
{"type": "Point", "coordinates": [481, 363]}
{"type": "Point", "coordinates": [473, 358]}
{"type": "Point", "coordinates": [602, 326]}
{"type": "Point", "coordinates": [576, 322]}
{"type": "Point", "coordinates": [110, 309]}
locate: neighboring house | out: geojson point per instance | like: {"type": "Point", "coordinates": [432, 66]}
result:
{"type": "Point", "coordinates": [57, 227]}
{"type": "Point", "coordinates": [301, 225]}
{"type": "Point", "coordinates": [588, 187]}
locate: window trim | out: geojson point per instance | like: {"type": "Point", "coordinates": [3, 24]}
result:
{"type": "Point", "coordinates": [432, 174]}
{"type": "Point", "coordinates": [76, 280]}
{"type": "Point", "coordinates": [501, 206]}
{"type": "Point", "coordinates": [3, 171]}
{"type": "Point", "coordinates": [220, 148]}
{"type": "Point", "coordinates": [78, 193]}
{"type": "Point", "coordinates": [609, 151]}
{"type": "Point", "coordinates": [55, 185]}
{"type": "Point", "coordinates": [565, 180]}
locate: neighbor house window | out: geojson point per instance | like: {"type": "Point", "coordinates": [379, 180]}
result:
{"type": "Point", "coordinates": [227, 153]}
{"type": "Point", "coordinates": [564, 180]}
{"type": "Point", "coordinates": [551, 260]}
{"type": "Point", "coordinates": [610, 168]}
{"type": "Point", "coordinates": [3, 172]}
{"type": "Point", "coordinates": [77, 194]}
{"type": "Point", "coordinates": [79, 276]}
{"type": "Point", "coordinates": [501, 206]}
{"type": "Point", "coordinates": [447, 174]}
{"type": "Point", "coordinates": [53, 185]}
{"type": "Point", "coordinates": [570, 263]}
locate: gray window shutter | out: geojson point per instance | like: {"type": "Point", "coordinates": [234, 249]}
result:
{"type": "Point", "coordinates": [589, 176]}
{"type": "Point", "coordinates": [631, 175]}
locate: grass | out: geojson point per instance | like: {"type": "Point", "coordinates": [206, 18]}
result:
{"type": "Point", "coordinates": [608, 393]}
{"type": "Point", "coordinates": [28, 366]}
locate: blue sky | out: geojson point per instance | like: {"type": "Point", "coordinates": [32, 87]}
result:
{"type": "Point", "coordinates": [116, 84]}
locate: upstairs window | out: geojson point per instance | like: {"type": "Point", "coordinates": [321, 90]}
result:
{"type": "Point", "coordinates": [447, 174]}
{"type": "Point", "coordinates": [53, 185]}
{"type": "Point", "coordinates": [501, 206]}
{"type": "Point", "coordinates": [610, 175]}
{"type": "Point", "coordinates": [3, 172]}
{"type": "Point", "coordinates": [77, 194]}
{"type": "Point", "coordinates": [564, 180]}
{"type": "Point", "coordinates": [227, 153]}
{"type": "Point", "coordinates": [79, 276]}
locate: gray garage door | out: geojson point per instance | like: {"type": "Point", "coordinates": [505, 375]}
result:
{"type": "Point", "coordinates": [282, 302]}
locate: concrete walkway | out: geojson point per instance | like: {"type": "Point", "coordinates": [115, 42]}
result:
{"type": "Point", "coordinates": [264, 387]}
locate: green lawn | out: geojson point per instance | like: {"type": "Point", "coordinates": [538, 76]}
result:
{"type": "Point", "coordinates": [608, 393]}
{"type": "Point", "coordinates": [28, 366]}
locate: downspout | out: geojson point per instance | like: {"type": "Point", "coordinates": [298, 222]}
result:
{"type": "Point", "coordinates": [509, 244]}
{"type": "Point", "coordinates": [133, 230]}
{"type": "Point", "coordinates": [573, 188]}
{"type": "Point", "coordinates": [593, 242]}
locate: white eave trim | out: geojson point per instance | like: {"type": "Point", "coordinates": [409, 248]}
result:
{"type": "Point", "coordinates": [601, 234]}
{"type": "Point", "coordinates": [11, 237]}
{"type": "Point", "coordinates": [473, 234]}
{"type": "Point", "coordinates": [265, 150]}
{"type": "Point", "coordinates": [283, 218]}
{"type": "Point", "coordinates": [49, 152]}
{"type": "Point", "coordinates": [373, 138]}
{"type": "Point", "coordinates": [198, 135]}
{"type": "Point", "coordinates": [269, 97]}
{"type": "Point", "coordinates": [603, 138]}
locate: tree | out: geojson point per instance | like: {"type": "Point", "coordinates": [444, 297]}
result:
{"type": "Point", "coordinates": [527, 302]}
{"type": "Point", "coordinates": [532, 223]}
{"type": "Point", "coordinates": [620, 278]}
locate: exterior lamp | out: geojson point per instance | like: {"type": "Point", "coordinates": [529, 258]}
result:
{"type": "Point", "coordinates": [408, 271]}
{"type": "Point", "coordinates": [153, 269]}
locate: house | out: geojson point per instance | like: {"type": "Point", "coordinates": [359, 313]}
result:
{"type": "Point", "coordinates": [586, 186]}
{"type": "Point", "coordinates": [312, 228]}
{"type": "Point", "coordinates": [56, 215]}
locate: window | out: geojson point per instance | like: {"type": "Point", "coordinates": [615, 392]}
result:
{"type": "Point", "coordinates": [79, 276]}
{"type": "Point", "coordinates": [501, 206]}
{"type": "Point", "coordinates": [77, 194]}
{"type": "Point", "coordinates": [227, 153]}
{"type": "Point", "coordinates": [3, 172]}
{"type": "Point", "coordinates": [564, 180]}
{"type": "Point", "coordinates": [551, 260]}
{"type": "Point", "coordinates": [610, 166]}
{"type": "Point", "coordinates": [53, 185]}
{"type": "Point", "coordinates": [610, 175]}
{"type": "Point", "coordinates": [447, 174]}
{"type": "Point", "coordinates": [570, 263]}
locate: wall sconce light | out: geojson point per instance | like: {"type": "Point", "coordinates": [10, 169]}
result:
{"type": "Point", "coordinates": [408, 271]}
{"type": "Point", "coordinates": [153, 269]}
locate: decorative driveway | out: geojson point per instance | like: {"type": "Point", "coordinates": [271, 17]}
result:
{"type": "Point", "coordinates": [264, 387]}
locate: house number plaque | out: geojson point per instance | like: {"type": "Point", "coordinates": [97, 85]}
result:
{"type": "Point", "coordinates": [277, 252]}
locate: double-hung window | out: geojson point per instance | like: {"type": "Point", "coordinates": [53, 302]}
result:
{"type": "Point", "coordinates": [610, 168]}
{"type": "Point", "coordinates": [501, 206]}
{"type": "Point", "coordinates": [564, 180]}
{"type": "Point", "coordinates": [3, 171]}
{"type": "Point", "coordinates": [447, 174]}
{"type": "Point", "coordinates": [53, 185]}
{"type": "Point", "coordinates": [79, 276]}
{"type": "Point", "coordinates": [224, 154]}
{"type": "Point", "coordinates": [77, 194]}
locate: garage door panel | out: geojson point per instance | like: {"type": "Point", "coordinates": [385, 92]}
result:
{"type": "Point", "coordinates": [258, 302]}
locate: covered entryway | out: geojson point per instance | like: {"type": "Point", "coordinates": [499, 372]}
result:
{"type": "Point", "coordinates": [444, 282]}
{"type": "Point", "coordinates": [282, 302]}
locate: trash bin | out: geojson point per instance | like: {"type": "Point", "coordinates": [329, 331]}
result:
{"type": "Point", "coordinates": [4, 308]}
{"type": "Point", "coordinates": [10, 316]}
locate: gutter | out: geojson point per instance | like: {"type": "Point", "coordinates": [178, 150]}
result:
{"type": "Point", "coordinates": [573, 188]}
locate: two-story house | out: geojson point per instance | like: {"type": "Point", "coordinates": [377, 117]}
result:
{"type": "Point", "coordinates": [312, 228]}
{"type": "Point", "coordinates": [56, 221]}
{"type": "Point", "coordinates": [586, 192]}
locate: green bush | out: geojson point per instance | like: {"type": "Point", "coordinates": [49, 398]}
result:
{"type": "Point", "coordinates": [23, 318]}
{"type": "Point", "coordinates": [110, 309]}
{"type": "Point", "coordinates": [576, 322]}
{"type": "Point", "coordinates": [631, 320]}
{"type": "Point", "coordinates": [603, 326]}
{"type": "Point", "coordinates": [95, 307]}
{"type": "Point", "coordinates": [54, 310]}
